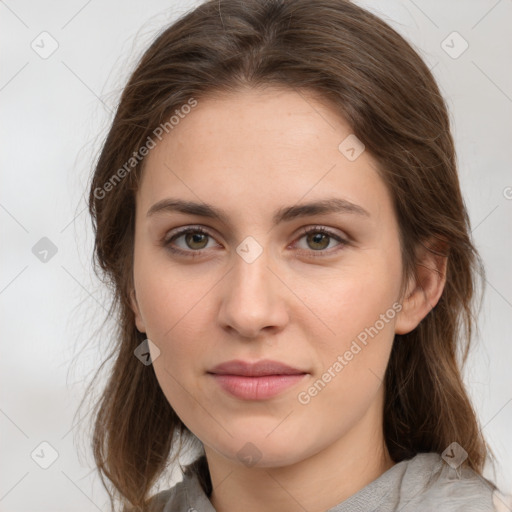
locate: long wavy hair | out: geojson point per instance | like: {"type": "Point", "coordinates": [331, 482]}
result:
{"type": "Point", "coordinates": [371, 76]}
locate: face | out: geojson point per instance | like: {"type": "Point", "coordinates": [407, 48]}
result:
{"type": "Point", "coordinates": [252, 284]}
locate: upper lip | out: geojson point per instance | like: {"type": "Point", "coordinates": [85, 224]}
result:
{"type": "Point", "coordinates": [256, 369]}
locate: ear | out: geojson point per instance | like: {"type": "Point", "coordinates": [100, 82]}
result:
{"type": "Point", "coordinates": [135, 308]}
{"type": "Point", "coordinates": [425, 288]}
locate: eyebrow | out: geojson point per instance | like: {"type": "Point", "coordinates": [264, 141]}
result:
{"type": "Point", "coordinates": [284, 214]}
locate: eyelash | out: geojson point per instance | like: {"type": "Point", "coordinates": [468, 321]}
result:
{"type": "Point", "coordinates": [166, 242]}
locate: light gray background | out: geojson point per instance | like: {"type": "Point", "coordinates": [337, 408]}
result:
{"type": "Point", "coordinates": [55, 113]}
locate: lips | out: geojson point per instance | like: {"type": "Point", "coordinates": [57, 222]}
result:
{"type": "Point", "coordinates": [257, 369]}
{"type": "Point", "coordinates": [256, 381]}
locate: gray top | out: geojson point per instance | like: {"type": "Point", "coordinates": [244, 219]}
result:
{"type": "Point", "coordinates": [424, 483]}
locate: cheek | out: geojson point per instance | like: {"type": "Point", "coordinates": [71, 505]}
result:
{"type": "Point", "coordinates": [357, 308]}
{"type": "Point", "coordinates": [175, 313]}
{"type": "Point", "coordinates": [168, 296]}
{"type": "Point", "coordinates": [178, 317]}
{"type": "Point", "coordinates": [347, 301]}
{"type": "Point", "coordinates": [360, 308]}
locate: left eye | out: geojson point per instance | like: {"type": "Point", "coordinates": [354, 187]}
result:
{"type": "Point", "coordinates": [319, 238]}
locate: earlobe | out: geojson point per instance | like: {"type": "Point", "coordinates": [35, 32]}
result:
{"type": "Point", "coordinates": [136, 311]}
{"type": "Point", "coordinates": [425, 288]}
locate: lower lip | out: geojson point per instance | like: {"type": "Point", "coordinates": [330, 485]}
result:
{"type": "Point", "coordinates": [257, 388]}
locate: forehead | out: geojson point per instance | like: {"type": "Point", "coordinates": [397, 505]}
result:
{"type": "Point", "coordinates": [256, 124]}
{"type": "Point", "coordinates": [259, 147]}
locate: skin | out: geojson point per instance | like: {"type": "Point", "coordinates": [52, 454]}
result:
{"type": "Point", "coordinates": [251, 153]}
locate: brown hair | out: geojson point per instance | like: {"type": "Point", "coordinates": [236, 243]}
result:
{"type": "Point", "coordinates": [372, 77]}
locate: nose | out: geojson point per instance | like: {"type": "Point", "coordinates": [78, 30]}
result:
{"type": "Point", "coordinates": [254, 298]}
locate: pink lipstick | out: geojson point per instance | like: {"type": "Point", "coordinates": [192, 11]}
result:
{"type": "Point", "coordinates": [256, 381]}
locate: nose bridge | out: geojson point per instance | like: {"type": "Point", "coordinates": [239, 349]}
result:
{"type": "Point", "coordinates": [250, 275]}
{"type": "Point", "coordinates": [250, 299]}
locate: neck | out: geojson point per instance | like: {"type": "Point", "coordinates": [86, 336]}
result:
{"type": "Point", "coordinates": [315, 483]}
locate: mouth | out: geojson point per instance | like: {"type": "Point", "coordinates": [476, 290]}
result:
{"type": "Point", "coordinates": [256, 381]}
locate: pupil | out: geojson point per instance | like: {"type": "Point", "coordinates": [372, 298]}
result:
{"type": "Point", "coordinates": [317, 238]}
{"type": "Point", "coordinates": [196, 237]}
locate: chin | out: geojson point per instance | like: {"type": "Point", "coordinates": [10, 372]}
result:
{"type": "Point", "coordinates": [261, 452]}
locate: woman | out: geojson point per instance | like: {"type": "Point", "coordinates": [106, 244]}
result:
{"type": "Point", "coordinates": [278, 212]}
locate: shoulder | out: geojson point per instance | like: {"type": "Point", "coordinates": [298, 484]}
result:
{"type": "Point", "coordinates": [185, 496]}
{"type": "Point", "coordinates": [429, 483]}
{"type": "Point", "coordinates": [158, 501]}
{"type": "Point", "coordinates": [172, 499]}
{"type": "Point", "coordinates": [182, 497]}
{"type": "Point", "coordinates": [424, 483]}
